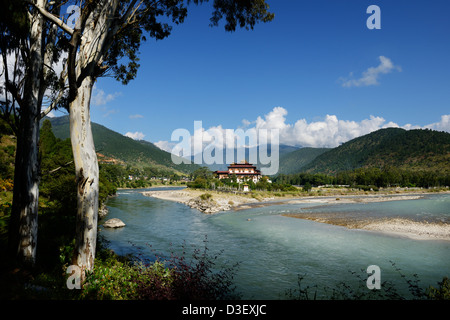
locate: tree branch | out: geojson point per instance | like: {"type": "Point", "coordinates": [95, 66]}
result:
{"type": "Point", "coordinates": [59, 168]}
{"type": "Point", "coordinates": [52, 18]}
{"type": "Point", "coordinates": [52, 105]}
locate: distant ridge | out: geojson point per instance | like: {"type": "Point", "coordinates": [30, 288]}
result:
{"type": "Point", "coordinates": [419, 149]}
{"type": "Point", "coordinates": [115, 147]}
{"type": "Point", "coordinates": [295, 161]}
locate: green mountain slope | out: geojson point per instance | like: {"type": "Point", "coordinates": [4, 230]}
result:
{"type": "Point", "coordinates": [419, 150]}
{"type": "Point", "coordinates": [295, 161]}
{"type": "Point", "coordinates": [117, 146]}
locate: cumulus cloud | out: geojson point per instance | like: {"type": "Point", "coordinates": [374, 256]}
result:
{"type": "Point", "coordinates": [328, 132]}
{"type": "Point", "coordinates": [371, 75]}
{"type": "Point", "coordinates": [100, 98]}
{"type": "Point", "coordinates": [135, 135]}
{"type": "Point", "coordinates": [165, 145]}
{"type": "Point", "coordinates": [443, 125]}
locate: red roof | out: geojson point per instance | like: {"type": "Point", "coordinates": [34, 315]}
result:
{"type": "Point", "coordinates": [238, 173]}
{"type": "Point", "coordinates": [241, 165]}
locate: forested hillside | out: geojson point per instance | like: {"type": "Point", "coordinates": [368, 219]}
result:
{"type": "Point", "coordinates": [416, 150]}
{"type": "Point", "coordinates": [295, 161]}
{"type": "Point", "coordinates": [116, 146]}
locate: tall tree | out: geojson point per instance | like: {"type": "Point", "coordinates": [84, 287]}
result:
{"type": "Point", "coordinates": [107, 33]}
{"type": "Point", "coordinates": [27, 48]}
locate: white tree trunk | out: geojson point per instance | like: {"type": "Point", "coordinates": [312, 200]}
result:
{"type": "Point", "coordinates": [89, 56]}
{"type": "Point", "coordinates": [87, 176]}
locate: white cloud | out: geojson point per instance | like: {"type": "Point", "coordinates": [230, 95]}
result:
{"type": "Point", "coordinates": [136, 116]}
{"type": "Point", "coordinates": [245, 123]}
{"type": "Point", "coordinates": [165, 145]}
{"type": "Point", "coordinates": [371, 75]}
{"type": "Point", "coordinates": [135, 135]}
{"type": "Point", "coordinates": [328, 132]}
{"type": "Point", "coordinates": [99, 97]}
{"type": "Point", "coordinates": [443, 125]}
{"type": "Point", "coordinates": [109, 112]}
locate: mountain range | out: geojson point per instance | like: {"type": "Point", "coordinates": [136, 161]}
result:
{"type": "Point", "coordinates": [114, 147]}
{"type": "Point", "coordinates": [416, 150]}
{"type": "Point", "coordinates": [407, 149]}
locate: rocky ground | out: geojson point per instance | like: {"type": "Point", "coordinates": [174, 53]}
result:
{"type": "Point", "coordinates": [207, 202]}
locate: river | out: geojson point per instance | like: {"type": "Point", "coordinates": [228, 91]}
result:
{"type": "Point", "coordinates": [273, 250]}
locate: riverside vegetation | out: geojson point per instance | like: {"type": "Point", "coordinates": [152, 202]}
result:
{"type": "Point", "coordinates": [190, 276]}
{"type": "Point", "coordinates": [113, 277]}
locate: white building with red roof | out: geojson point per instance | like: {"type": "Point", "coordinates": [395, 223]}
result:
{"type": "Point", "coordinates": [243, 170]}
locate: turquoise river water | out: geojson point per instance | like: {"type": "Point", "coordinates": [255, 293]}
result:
{"type": "Point", "coordinates": [273, 250]}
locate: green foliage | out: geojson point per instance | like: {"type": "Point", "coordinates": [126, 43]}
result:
{"type": "Point", "coordinates": [418, 150]}
{"type": "Point", "coordinates": [295, 161]}
{"type": "Point", "coordinates": [7, 155]}
{"type": "Point", "coordinates": [111, 279]}
{"type": "Point", "coordinates": [244, 13]}
{"type": "Point", "coordinates": [201, 277]}
{"type": "Point", "coordinates": [106, 188]}
{"type": "Point", "coordinates": [202, 172]}
{"type": "Point", "coordinates": [58, 171]}
{"type": "Point", "coordinates": [198, 183]}
{"type": "Point", "coordinates": [307, 187]}
{"type": "Point", "coordinates": [14, 24]}
{"type": "Point", "coordinates": [371, 178]}
{"type": "Point", "coordinates": [442, 292]}
{"type": "Point", "coordinates": [142, 155]}
{"type": "Point", "coordinates": [197, 277]}
{"type": "Point", "coordinates": [205, 196]}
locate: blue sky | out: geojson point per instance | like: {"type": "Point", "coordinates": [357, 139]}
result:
{"type": "Point", "coordinates": [316, 72]}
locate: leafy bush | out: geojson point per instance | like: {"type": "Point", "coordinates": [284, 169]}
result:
{"type": "Point", "coordinates": [111, 279]}
{"type": "Point", "coordinates": [206, 196]}
{"type": "Point", "coordinates": [443, 292]}
{"type": "Point", "coordinates": [198, 183]}
{"type": "Point", "coordinates": [175, 278]}
{"type": "Point", "coordinates": [6, 184]}
{"type": "Point", "coordinates": [199, 278]}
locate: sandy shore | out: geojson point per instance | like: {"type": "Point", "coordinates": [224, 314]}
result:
{"type": "Point", "coordinates": [220, 201]}
{"type": "Point", "coordinates": [411, 229]}
{"type": "Point", "coordinates": [420, 230]}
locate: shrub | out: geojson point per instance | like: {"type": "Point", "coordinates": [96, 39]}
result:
{"type": "Point", "coordinates": [111, 279]}
{"type": "Point", "coordinates": [442, 293]}
{"type": "Point", "coordinates": [205, 196]}
{"type": "Point", "coordinates": [6, 184]}
{"type": "Point", "coordinates": [199, 278]}
{"type": "Point", "coordinates": [307, 187]}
